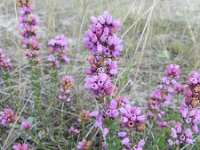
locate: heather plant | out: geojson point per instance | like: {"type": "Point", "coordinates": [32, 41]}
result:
{"type": "Point", "coordinates": [184, 127]}
{"type": "Point", "coordinates": [59, 104]}
{"type": "Point", "coordinates": [28, 31]}
{"type": "Point", "coordinates": [105, 48]}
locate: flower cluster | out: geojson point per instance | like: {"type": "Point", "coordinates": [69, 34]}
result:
{"type": "Point", "coordinates": [101, 39]}
{"type": "Point", "coordinates": [26, 125]}
{"type": "Point", "coordinates": [99, 84]}
{"type": "Point", "coordinates": [20, 147]}
{"type": "Point", "coordinates": [190, 116]}
{"type": "Point", "coordinates": [193, 92]}
{"type": "Point", "coordinates": [98, 117]}
{"type": "Point", "coordinates": [27, 24]}
{"type": "Point", "coordinates": [162, 124]}
{"type": "Point", "coordinates": [188, 110]}
{"type": "Point", "coordinates": [172, 71]}
{"type": "Point", "coordinates": [105, 48]}
{"type": "Point", "coordinates": [180, 135]}
{"type": "Point", "coordinates": [84, 116]}
{"type": "Point", "coordinates": [125, 142]}
{"type": "Point", "coordinates": [4, 62]}
{"type": "Point", "coordinates": [100, 65]}
{"type": "Point", "coordinates": [132, 117]}
{"type": "Point", "coordinates": [64, 91]}
{"type": "Point", "coordinates": [112, 110]}
{"type": "Point", "coordinates": [73, 130]}
{"type": "Point", "coordinates": [57, 48]}
{"type": "Point", "coordinates": [189, 113]}
{"type": "Point", "coordinates": [6, 116]}
{"type": "Point", "coordinates": [84, 145]}
{"type": "Point", "coordinates": [161, 96]}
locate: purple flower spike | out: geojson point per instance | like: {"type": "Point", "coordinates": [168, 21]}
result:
{"type": "Point", "coordinates": [27, 25]}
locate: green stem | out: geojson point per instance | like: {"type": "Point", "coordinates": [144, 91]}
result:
{"type": "Point", "coordinates": [36, 87]}
{"type": "Point", "coordinates": [53, 87]}
{"type": "Point", "coordinates": [83, 126]}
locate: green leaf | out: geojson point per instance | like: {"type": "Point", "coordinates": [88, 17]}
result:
{"type": "Point", "coordinates": [31, 119]}
{"type": "Point", "coordinates": [164, 54]}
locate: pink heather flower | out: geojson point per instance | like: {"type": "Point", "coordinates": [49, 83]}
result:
{"type": "Point", "coordinates": [125, 142]}
{"type": "Point", "coordinates": [64, 91]}
{"type": "Point", "coordinates": [99, 121]}
{"type": "Point", "coordinates": [121, 101]}
{"type": "Point", "coordinates": [193, 90]}
{"type": "Point", "coordinates": [179, 135]}
{"type": "Point", "coordinates": [112, 111]}
{"type": "Point", "coordinates": [180, 88]}
{"type": "Point", "coordinates": [108, 66]}
{"type": "Point", "coordinates": [172, 70]}
{"type": "Point", "coordinates": [58, 44]}
{"type": "Point", "coordinates": [190, 116]}
{"type": "Point", "coordinates": [20, 147]}
{"type": "Point", "coordinates": [31, 44]}
{"type": "Point", "coordinates": [99, 84]}
{"type": "Point", "coordinates": [104, 145]}
{"type": "Point", "coordinates": [98, 118]}
{"type": "Point", "coordinates": [170, 142]}
{"type": "Point", "coordinates": [57, 48]}
{"type": "Point", "coordinates": [31, 21]}
{"type": "Point", "coordinates": [83, 145]}
{"type": "Point", "coordinates": [111, 67]}
{"type": "Point", "coordinates": [101, 32]}
{"type": "Point", "coordinates": [105, 131]}
{"type": "Point", "coordinates": [2, 55]}
{"type": "Point", "coordinates": [94, 114]}
{"type": "Point", "coordinates": [162, 124]}
{"type": "Point", "coordinates": [53, 61]}
{"type": "Point", "coordinates": [73, 130]}
{"type": "Point", "coordinates": [194, 78]}
{"type": "Point", "coordinates": [5, 63]}
{"type": "Point", "coordinates": [122, 134]}
{"type": "Point", "coordinates": [132, 118]}
{"type": "Point", "coordinates": [28, 31]}
{"type": "Point", "coordinates": [139, 145]}
{"type": "Point", "coordinates": [84, 116]}
{"type": "Point", "coordinates": [6, 116]}
{"type": "Point", "coordinates": [26, 125]}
